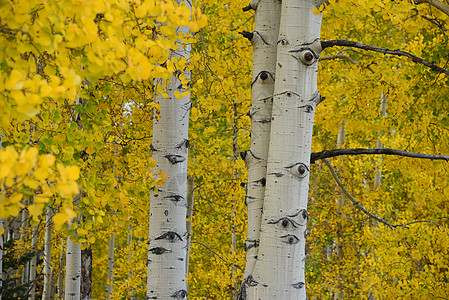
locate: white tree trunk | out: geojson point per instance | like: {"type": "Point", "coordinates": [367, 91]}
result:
{"type": "Point", "coordinates": [168, 205]}
{"type": "Point", "coordinates": [190, 201]}
{"type": "Point", "coordinates": [264, 40]}
{"type": "Point", "coordinates": [279, 269]}
{"type": "Point", "coordinates": [73, 271]}
{"type": "Point", "coordinates": [46, 294]}
{"type": "Point", "coordinates": [34, 233]}
{"type": "Point", "coordinates": [60, 284]}
{"type": "Point", "coordinates": [383, 113]}
{"type": "Point", "coordinates": [110, 269]}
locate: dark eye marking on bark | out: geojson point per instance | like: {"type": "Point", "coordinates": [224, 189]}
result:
{"type": "Point", "coordinates": [170, 236]}
{"type": "Point", "coordinates": [175, 158]}
{"type": "Point", "coordinates": [285, 222]}
{"type": "Point", "coordinates": [158, 250]}
{"type": "Point", "coordinates": [290, 239]}
{"type": "Point", "coordinates": [298, 285]}
{"type": "Point", "coordinates": [181, 294]}
{"type": "Point", "coordinates": [298, 169]}
{"type": "Point", "coordinates": [174, 198]}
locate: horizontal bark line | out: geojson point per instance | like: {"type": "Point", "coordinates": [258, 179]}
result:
{"type": "Point", "coordinates": [346, 43]}
{"type": "Point", "coordinates": [357, 151]}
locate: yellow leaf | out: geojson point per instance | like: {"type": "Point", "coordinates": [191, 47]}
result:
{"type": "Point", "coordinates": [178, 95]}
{"type": "Point", "coordinates": [14, 81]}
{"type": "Point", "coordinates": [60, 219]}
{"type": "Point", "coordinates": [2, 230]}
{"type": "Point", "coordinates": [35, 209]}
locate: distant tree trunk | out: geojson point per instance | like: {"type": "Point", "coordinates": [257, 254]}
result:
{"type": "Point", "coordinates": [279, 269]}
{"type": "Point", "coordinates": [110, 269]}
{"type": "Point", "coordinates": [73, 271]}
{"type": "Point", "coordinates": [86, 273]}
{"type": "Point", "coordinates": [383, 113]}
{"type": "Point", "coordinates": [33, 263]}
{"type": "Point", "coordinates": [168, 207]}
{"type": "Point", "coordinates": [2, 240]}
{"type": "Point", "coordinates": [339, 241]}
{"type": "Point", "coordinates": [23, 237]}
{"type": "Point", "coordinates": [46, 294]}
{"type": "Point", "coordinates": [60, 281]}
{"type": "Point", "coordinates": [190, 202]}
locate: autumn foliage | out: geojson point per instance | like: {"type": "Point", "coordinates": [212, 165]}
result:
{"type": "Point", "coordinates": [77, 85]}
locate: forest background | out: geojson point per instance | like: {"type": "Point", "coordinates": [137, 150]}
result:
{"type": "Point", "coordinates": [90, 128]}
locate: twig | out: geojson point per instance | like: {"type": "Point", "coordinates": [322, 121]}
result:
{"type": "Point", "coordinates": [340, 56]}
{"type": "Point", "coordinates": [212, 250]}
{"type": "Point", "coordinates": [357, 204]}
{"type": "Point", "coordinates": [332, 43]}
{"type": "Point", "coordinates": [361, 208]}
{"type": "Point", "coordinates": [338, 152]}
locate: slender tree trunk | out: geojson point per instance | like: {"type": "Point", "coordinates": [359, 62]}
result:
{"type": "Point", "coordinates": [279, 269]}
{"type": "Point", "coordinates": [23, 237]}
{"type": "Point", "coordinates": [73, 271]}
{"type": "Point", "coordinates": [110, 269]}
{"type": "Point", "coordinates": [46, 294]}
{"type": "Point", "coordinates": [86, 273]}
{"type": "Point", "coordinates": [34, 233]}
{"type": "Point", "coordinates": [383, 113]}
{"type": "Point", "coordinates": [264, 41]}
{"type": "Point", "coordinates": [2, 240]}
{"type": "Point", "coordinates": [60, 284]}
{"type": "Point", "coordinates": [190, 202]}
{"type": "Point", "coordinates": [339, 241]}
{"type": "Point", "coordinates": [168, 206]}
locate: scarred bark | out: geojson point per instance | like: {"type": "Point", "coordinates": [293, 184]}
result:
{"type": "Point", "coordinates": [279, 270]}
{"type": "Point", "coordinates": [167, 245]}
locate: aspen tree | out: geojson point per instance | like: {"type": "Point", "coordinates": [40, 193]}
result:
{"type": "Point", "coordinates": [279, 269]}
{"type": "Point", "coordinates": [167, 245]}
{"type": "Point", "coordinates": [47, 254]}
{"type": "Point", "coordinates": [264, 41]}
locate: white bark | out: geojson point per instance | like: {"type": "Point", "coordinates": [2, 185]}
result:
{"type": "Point", "coordinates": [60, 285]}
{"type": "Point", "coordinates": [264, 39]}
{"type": "Point", "coordinates": [23, 234]}
{"type": "Point", "coordinates": [46, 294]}
{"type": "Point", "coordinates": [110, 269]}
{"type": "Point", "coordinates": [279, 270]}
{"type": "Point", "coordinates": [190, 201]}
{"type": "Point", "coordinates": [168, 206]}
{"type": "Point", "coordinates": [383, 113]}
{"type": "Point", "coordinates": [34, 233]}
{"type": "Point", "coordinates": [73, 271]}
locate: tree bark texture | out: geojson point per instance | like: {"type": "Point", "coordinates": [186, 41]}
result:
{"type": "Point", "coordinates": [168, 205]}
{"type": "Point", "coordinates": [279, 269]}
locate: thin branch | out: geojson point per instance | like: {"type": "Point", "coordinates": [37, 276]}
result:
{"type": "Point", "coordinates": [339, 152]}
{"type": "Point", "coordinates": [212, 250]}
{"type": "Point", "coordinates": [357, 204]}
{"type": "Point", "coordinates": [363, 209]}
{"type": "Point", "coordinates": [332, 43]}
{"type": "Point", "coordinates": [340, 56]}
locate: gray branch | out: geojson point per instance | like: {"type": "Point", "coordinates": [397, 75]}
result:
{"type": "Point", "coordinates": [363, 209]}
{"type": "Point", "coordinates": [339, 152]}
{"type": "Point", "coordinates": [414, 58]}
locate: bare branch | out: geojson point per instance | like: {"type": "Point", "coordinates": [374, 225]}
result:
{"type": "Point", "coordinates": [211, 250]}
{"type": "Point", "coordinates": [357, 204]}
{"type": "Point", "coordinates": [339, 152]}
{"type": "Point", "coordinates": [340, 56]}
{"type": "Point", "coordinates": [435, 3]}
{"type": "Point", "coordinates": [363, 209]}
{"type": "Point", "coordinates": [346, 43]}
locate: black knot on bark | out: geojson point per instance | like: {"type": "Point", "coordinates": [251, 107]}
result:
{"type": "Point", "coordinates": [247, 34]}
{"type": "Point", "coordinates": [263, 75]}
{"type": "Point", "coordinates": [247, 8]}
